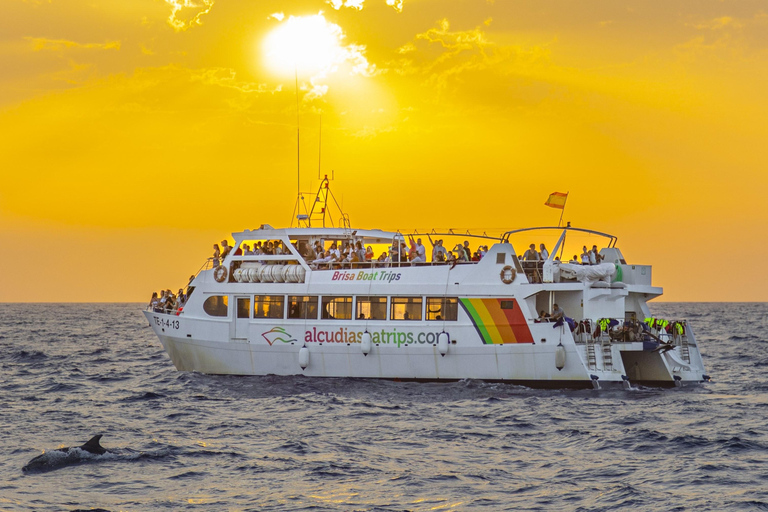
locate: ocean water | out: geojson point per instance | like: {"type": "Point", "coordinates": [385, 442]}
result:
{"type": "Point", "coordinates": [184, 441]}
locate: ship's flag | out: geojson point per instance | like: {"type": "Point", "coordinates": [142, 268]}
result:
{"type": "Point", "coordinates": [556, 200]}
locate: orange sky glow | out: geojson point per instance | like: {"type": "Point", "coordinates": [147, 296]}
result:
{"type": "Point", "coordinates": [133, 135]}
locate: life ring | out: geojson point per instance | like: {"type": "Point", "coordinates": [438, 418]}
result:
{"type": "Point", "coordinates": [220, 273]}
{"type": "Point", "coordinates": [507, 274]}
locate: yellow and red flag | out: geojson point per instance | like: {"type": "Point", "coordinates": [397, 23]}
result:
{"type": "Point", "coordinates": [556, 200]}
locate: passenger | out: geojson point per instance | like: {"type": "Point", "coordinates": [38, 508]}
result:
{"type": "Point", "coordinates": [257, 249]}
{"type": "Point", "coordinates": [543, 252]}
{"type": "Point", "coordinates": [153, 302]}
{"type": "Point", "coordinates": [361, 253]}
{"type": "Point", "coordinates": [170, 303]}
{"type": "Point", "coordinates": [216, 255]}
{"type": "Point", "coordinates": [403, 252]}
{"type": "Point", "coordinates": [225, 249]}
{"type": "Point", "coordinates": [247, 251]}
{"type": "Point", "coordinates": [238, 251]}
{"type": "Point", "coordinates": [451, 259]}
{"type": "Point", "coordinates": [324, 261]}
{"type": "Point", "coordinates": [460, 254]}
{"type": "Point", "coordinates": [420, 253]}
{"type": "Point", "coordinates": [476, 256]}
{"type": "Point", "coordinates": [591, 256]}
{"type": "Point", "coordinates": [482, 251]}
{"type": "Point", "coordinates": [369, 254]}
{"type": "Point", "coordinates": [336, 257]}
{"type": "Point", "coordinates": [574, 260]}
{"type": "Point", "coordinates": [595, 255]}
{"type": "Point", "coordinates": [557, 313]}
{"type": "Point", "coordinates": [181, 298]}
{"type": "Point", "coordinates": [394, 253]}
{"type": "Point", "coordinates": [309, 254]}
{"type": "Point", "coordinates": [383, 260]}
{"type": "Point", "coordinates": [467, 251]}
{"type": "Point", "coordinates": [531, 254]}
{"type": "Point", "coordinates": [438, 251]}
{"type": "Point", "coordinates": [585, 257]}
{"type": "Point", "coordinates": [351, 258]}
{"type": "Point", "coordinates": [543, 316]}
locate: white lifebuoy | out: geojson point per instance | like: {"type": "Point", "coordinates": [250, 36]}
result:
{"type": "Point", "coordinates": [220, 274]}
{"type": "Point", "coordinates": [507, 274]}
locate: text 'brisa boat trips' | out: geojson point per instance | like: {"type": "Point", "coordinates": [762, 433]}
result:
{"type": "Point", "coordinates": [313, 301]}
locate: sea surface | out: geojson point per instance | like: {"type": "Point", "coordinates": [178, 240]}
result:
{"type": "Point", "coordinates": [186, 441]}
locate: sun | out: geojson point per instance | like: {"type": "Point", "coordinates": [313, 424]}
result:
{"type": "Point", "coordinates": [304, 44]}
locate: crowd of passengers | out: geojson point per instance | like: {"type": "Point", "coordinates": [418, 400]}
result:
{"type": "Point", "coordinates": [353, 254]}
{"type": "Point", "coordinates": [588, 257]}
{"type": "Point", "coordinates": [166, 301]}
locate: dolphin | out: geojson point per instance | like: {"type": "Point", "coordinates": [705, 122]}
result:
{"type": "Point", "coordinates": [59, 457]}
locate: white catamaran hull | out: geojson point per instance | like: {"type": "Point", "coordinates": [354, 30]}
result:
{"type": "Point", "coordinates": [532, 364]}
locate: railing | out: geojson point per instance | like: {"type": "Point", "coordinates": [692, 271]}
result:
{"type": "Point", "coordinates": [628, 331]}
{"type": "Point", "coordinates": [335, 265]}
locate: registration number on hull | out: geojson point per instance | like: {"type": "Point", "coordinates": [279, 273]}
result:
{"type": "Point", "coordinates": [165, 322]}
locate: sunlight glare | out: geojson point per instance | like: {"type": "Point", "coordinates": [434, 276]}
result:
{"type": "Point", "coordinates": [308, 44]}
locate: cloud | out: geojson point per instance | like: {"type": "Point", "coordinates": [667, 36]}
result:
{"type": "Point", "coordinates": [279, 16]}
{"type": "Point", "coordinates": [358, 4]}
{"type": "Point", "coordinates": [717, 23]}
{"type": "Point", "coordinates": [226, 77]}
{"type": "Point", "coordinates": [186, 13]}
{"type": "Point", "coordinates": [354, 4]}
{"type": "Point", "coordinates": [442, 48]}
{"type": "Point", "coordinates": [397, 4]}
{"type": "Point", "coordinates": [41, 43]}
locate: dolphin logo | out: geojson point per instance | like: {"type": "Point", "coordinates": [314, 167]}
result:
{"type": "Point", "coordinates": [277, 334]}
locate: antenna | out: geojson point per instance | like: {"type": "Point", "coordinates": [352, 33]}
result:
{"type": "Point", "coordinates": [319, 145]}
{"type": "Point", "coordinates": [298, 137]}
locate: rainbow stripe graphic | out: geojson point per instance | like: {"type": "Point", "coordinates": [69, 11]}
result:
{"type": "Point", "coordinates": [496, 325]}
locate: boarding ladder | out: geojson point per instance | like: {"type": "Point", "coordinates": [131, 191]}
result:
{"type": "Point", "coordinates": [607, 354]}
{"type": "Point", "coordinates": [591, 358]}
{"type": "Point", "coordinates": [684, 350]}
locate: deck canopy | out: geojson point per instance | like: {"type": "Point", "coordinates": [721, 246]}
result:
{"type": "Point", "coordinates": [611, 242]}
{"type": "Point", "coordinates": [368, 236]}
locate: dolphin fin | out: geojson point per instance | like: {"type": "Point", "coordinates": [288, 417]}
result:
{"type": "Point", "coordinates": [93, 446]}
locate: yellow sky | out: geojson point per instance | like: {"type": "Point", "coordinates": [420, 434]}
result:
{"type": "Point", "coordinates": [133, 135]}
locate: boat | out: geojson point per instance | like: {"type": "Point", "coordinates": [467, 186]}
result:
{"type": "Point", "coordinates": [289, 313]}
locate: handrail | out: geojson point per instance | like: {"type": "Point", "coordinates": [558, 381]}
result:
{"type": "Point", "coordinates": [612, 243]}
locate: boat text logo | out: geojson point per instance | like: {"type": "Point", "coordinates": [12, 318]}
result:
{"type": "Point", "coordinates": [378, 275]}
{"type": "Point", "coordinates": [277, 334]}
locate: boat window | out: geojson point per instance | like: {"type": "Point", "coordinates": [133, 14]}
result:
{"type": "Point", "coordinates": [405, 308]}
{"type": "Point", "coordinates": [507, 304]}
{"type": "Point", "coordinates": [371, 308]}
{"type": "Point", "coordinates": [442, 308]}
{"type": "Point", "coordinates": [302, 307]}
{"type": "Point", "coordinates": [243, 307]}
{"type": "Point", "coordinates": [268, 306]}
{"type": "Point", "coordinates": [338, 308]}
{"type": "Point", "coordinates": [216, 305]}
{"type": "Point", "coordinates": [501, 258]}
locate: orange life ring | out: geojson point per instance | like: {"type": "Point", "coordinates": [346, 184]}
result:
{"type": "Point", "coordinates": [507, 274]}
{"type": "Point", "coordinates": [220, 274]}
